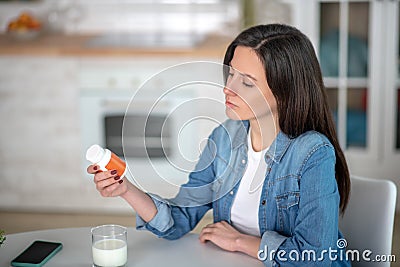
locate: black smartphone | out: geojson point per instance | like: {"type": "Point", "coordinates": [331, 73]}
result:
{"type": "Point", "coordinates": [37, 254]}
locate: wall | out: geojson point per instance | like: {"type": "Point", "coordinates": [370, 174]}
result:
{"type": "Point", "coordinates": [40, 145]}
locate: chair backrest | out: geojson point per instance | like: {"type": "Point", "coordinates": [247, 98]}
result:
{"type": "Point", "coordinates": [368, 220]}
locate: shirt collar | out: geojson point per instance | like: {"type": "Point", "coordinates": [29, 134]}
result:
{"type": "Point", "coordinates": [240, 135]}
{"type": "Point", "coordinates": [278, 147]}
{"type": "Point", "coordinates": [275, 151]}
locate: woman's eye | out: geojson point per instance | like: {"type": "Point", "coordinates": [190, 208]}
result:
{"type": "Point", "coordinates": [250, 85]}
{"type": "Point", "coordinates": [230, 73]}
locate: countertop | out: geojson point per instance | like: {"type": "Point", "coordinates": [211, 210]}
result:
{"type": "Point", "coordinates": [77, 45]}
{"type": "Point", "coordinates": [144, 249]}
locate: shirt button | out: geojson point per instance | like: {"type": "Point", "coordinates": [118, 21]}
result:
{"type": "Point", "coordinates": [231, 192]}
{"type": "Point", "coordinates": [243, 161]}
{"type": "Point", "coordinates": [263, 202]}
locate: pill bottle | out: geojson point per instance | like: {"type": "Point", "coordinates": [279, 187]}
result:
{"type": "Point", "coordinates": [106, 159]}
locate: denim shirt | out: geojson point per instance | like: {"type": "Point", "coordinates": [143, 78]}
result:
{"type": "Point", "coordinates": [299, 206]}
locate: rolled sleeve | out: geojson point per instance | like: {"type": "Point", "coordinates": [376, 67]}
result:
{"type": "Point", "coordinates": [270, 241]}
{"type": "Point", "coordinates": [161, 222]}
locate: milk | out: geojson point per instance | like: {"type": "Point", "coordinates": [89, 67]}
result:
{"type": "Point", "coordinates": [109, 253]}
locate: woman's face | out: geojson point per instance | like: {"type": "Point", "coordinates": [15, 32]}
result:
{"type": "Point", "coordinates": [247, 94]}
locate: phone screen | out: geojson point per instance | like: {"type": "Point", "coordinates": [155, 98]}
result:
{"type": "Point", "coordinates": [37, 252]}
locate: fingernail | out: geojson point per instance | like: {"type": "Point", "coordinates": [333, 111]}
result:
{"type": "Point", "coordinates": [116, 177]}
{"type": "Point", "coordinates": [95, 168]}
{"type": "Point", "coordinates": [113, 172]}
{"type": "Point", "coordinates": [120, 181]}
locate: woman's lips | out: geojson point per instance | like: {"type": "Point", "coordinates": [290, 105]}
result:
{"type": "Point", "coordinates": [230, 104]}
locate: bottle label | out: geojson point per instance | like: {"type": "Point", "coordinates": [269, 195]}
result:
{"type": "Point", "coordinates": [116, 163]}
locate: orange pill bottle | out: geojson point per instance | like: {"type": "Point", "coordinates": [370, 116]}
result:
{"type": "Point", "coordinates": [106, 159]}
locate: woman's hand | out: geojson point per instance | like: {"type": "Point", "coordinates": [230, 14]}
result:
{"type": "Point", "coordinates": [108, 183]}
{"type": "Point", "coordinates": [228, 238]}
{"type": "Point", "coordinates": [222, 234]}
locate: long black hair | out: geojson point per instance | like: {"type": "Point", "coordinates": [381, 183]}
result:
{"type": "Point", "coordinates": [294, 76]}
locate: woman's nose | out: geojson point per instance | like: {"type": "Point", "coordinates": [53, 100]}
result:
{"type": "Point", "coordinates": [229, 91]}
{"type": "Point", "coordinates": [230, 87]}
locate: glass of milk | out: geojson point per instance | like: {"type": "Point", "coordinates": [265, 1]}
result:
{"type": "Point", "coordinates": [109, 246]}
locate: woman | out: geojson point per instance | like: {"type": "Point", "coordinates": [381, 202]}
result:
{"type": "Point", "coordinates": [277, 176]}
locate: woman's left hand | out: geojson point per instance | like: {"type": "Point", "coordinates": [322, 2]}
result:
{"type": "Point", "coordinates": [221, 234]}
{"type": "Point", "coordinates": [228, 238]}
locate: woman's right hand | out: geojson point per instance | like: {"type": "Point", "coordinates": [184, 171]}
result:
{"type": "Point", "coordinates": [108, 183]}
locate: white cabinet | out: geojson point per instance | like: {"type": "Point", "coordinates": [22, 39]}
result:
{"type": "Point", "coordinates": [357, 42]}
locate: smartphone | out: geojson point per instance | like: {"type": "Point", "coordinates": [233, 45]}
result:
{"type": "Point", "coordinates": [37, 254]}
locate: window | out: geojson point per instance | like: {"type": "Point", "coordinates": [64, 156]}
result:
{"type": "Point", "coordinates": [344, 61]}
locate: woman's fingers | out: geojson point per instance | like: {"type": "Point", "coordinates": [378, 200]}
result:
{"type": "Point", "coordinates": [114, 189]}
{"type": "Point", "coordinates": [221, 234]}
{"type": "Point", "coordinates": [100, 176]}
{"type": "Point", "coordinates": [93, 169]}
{"type": "Point", "coordinates": [207, 232]}
{"type": "Point", "coordinates": [110, 189]}
{"type": "Point", "coordinates": [103, 183]}
{"type": "Point", "coordinates": [108, 183]}
{"type": "Point", "coordinates": [204, 236]}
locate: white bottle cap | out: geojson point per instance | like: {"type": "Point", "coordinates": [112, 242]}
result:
{"type": "Point", "coordinates": [95, 153]}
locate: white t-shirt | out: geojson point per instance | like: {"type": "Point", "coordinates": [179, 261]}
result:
{"type": "Point", "coordinates": [244, 210]}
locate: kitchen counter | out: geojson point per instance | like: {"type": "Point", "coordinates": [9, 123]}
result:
{"type": "Point", "coordinates": [78, 45]}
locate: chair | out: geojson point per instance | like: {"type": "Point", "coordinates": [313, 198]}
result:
{"type": "Point", "coordinates": [369, 218]}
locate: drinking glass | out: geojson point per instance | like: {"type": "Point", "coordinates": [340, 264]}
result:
{"type": "Point", "coordinates": [109, 246]}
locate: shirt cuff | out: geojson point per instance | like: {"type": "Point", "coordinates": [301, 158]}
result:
{"type": "Point", "coordinates": [270, 242]}
{"type": "Point", "coordinates": [161, 222]}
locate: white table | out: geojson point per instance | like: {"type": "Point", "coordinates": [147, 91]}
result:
{"type": "Point", "coordinates": [144, 249]}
